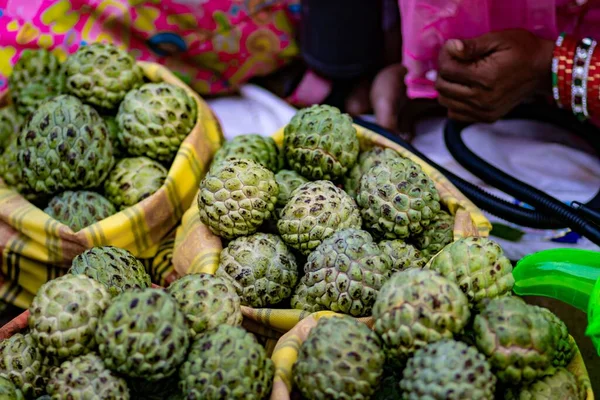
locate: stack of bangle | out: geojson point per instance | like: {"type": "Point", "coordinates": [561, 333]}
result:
{"type": "Point", "coordinates": [576, 76]}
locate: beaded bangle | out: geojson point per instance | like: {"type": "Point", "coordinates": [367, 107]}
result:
{"type": "Point", "coordinates": [581, 67]}
{"type": "Point", "coordinates": [565, 55]}
{"type": "Point", "coordinates": [555, 63]}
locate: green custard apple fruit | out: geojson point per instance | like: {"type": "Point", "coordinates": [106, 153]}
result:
{"type": "Point", "coordinates": [86, 377]}
{"type": "Point", "coordinates": [10, 124]}
{"type": "Point", "coordinates": [340, 359]}
{"type": "Point", "coordinates": [519, 340]}
{"type": "Point", "coordinates": [207, 301]}
{"type": "Point", "coordinates": [64, 146]}
{"type": "Point", "coordinates": [479, 267]}
{"type": "Point", "coordinates": [288, 181]}
{"type": "Point", "coordinates": [366, 160]}
{"type": "Point", "coordinates": [64, 315]}
{"type": "Point", "coordinates": [22, 362]}
{"type": "Point", "coordinates": [117, 269]}
{"type": "Point", "coordinates": [133, 180]}
{"type": "Point", "coordinates": [344, 274]}
{"type": "Point", "coordinates": [34, 95]}
{"type": "Point", "coordinates": [79, 209]}
{"type": "Point", "coordinates": [236, 197]}
{"type": "Point", "coordinates": [314, 212]}
{"type": "Point", "coordinates": [436, 235]}
{"type": "Point", "coordinates": [253, 147]}
{"type": "Point", "coordinates": [397, 199]}
{"type": "Point", "coordinates": [416, 307]}
{"type": "Point", "coordinates": [11, 171]}
{"type": "Point", "coordinates": [566, 349]}
{"type": "Point", "coordinates": [561, 385]}
{"type": "Point", "coordinates": [8, 391]}
{"type": "Point", "coordinates": [226, 363]}
{"type": "Point", "coordinates": [143, 334]}
{"type": "Point", "coordinates": [320, 143]}
{"type": "Point", "coordinates": [155, 119]}
{"type": "Point", "coordinates": [113, 132]}
{"type": "Point", "coordinates": [448, 370]}
{"type": "Point", "coordinates": [102, 74]}
{"type": "Point", "coordinates": [261, 268]}
{"type": "Point", "coordinates": [403, 255]}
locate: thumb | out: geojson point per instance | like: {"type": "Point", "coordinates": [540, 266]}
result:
{"type": "Point", "coordinates": [470, 49]}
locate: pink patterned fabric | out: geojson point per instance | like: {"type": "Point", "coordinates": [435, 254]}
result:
{"type": "Point", "coordinates": [213, 45]}
{"type": "Point", "coordinates": [427, 24]}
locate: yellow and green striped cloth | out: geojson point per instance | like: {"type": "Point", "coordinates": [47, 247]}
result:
{"type": "Point", "coordinates": [35, 248]}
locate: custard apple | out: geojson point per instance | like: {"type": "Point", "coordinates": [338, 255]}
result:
{"type": "Point", "coordinates": [34, 66]}
{"type": "Point", "coordinates": [64, 145]}
{"type": "Point", "coordinates": [288, 181]}
{"type": "Point", "coordinates": [416, 307]}
{"type": "Point", "coordinates": [562, 385]}
{"type": "Point", "coordinates": [34, 95]}
{"type": "Point", "coordinates": [436, 235]}
{"type": "Point", "coordinates": [8, 391]}
{"type": "Point", "coordinates": [321, 143]}
{"type": "Point", "coordinates": [133, 180]}
{"type": "Point", "coordinates": [519, 339]}
{"type": "Point", "coordinates": [22, 362]}
{"type": "Point", "coordinates": [101, 74]}
{"type": "Point", "coordinates": [207, 301]}
{"type": "Point", "coordinates": [11, 171]}
{"type": "Point", "coordinates": [226, 363]}
{"type": "Point", "coordinates": [479, 267]}
{"type": "Point", "coordinates": [345, 273]}
{"type": "Point", "coordinates": [113, 133]}
{"type": "Point", "coordinates": [155, 119]}
{"type": "Point", "coordinates": [340, 359]}
{"type": "Point", "coordinates": [566, 349]}
{"type": "Point", "coordinates": [397, 199]}
{"type": "Point", "coordinates": [261, 268]}
{"type": "Point", "coordinates": [86, 377]}
{"type": "Point", "coordinates": [366, 160]}
{"type": "Point", "coordinates": [79, 209]}
{"type": "Point", "coordinates": [236, 197]}
{"type": "Point", "coordinates": [253, 147]}
{"type": "Point", "coordinates": [314, 212]}
{"type": "Point", "coordinates": [448, 370]}
{"type": "Point", "coordinates": [10, 124]}
{"type": "Point", "coordinates": [64, 314]}
{"type": "Point", "coordinates": [402, 254]}
{"type": "Point", "coordinates": [115, 268]}
{"type": "Point", "coordinates": [143, 334]}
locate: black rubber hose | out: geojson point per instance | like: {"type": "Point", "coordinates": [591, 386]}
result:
{"type": "Point", "coordinates": [501, 180]}
{"type": "Point", "coordinates": [482, 199]}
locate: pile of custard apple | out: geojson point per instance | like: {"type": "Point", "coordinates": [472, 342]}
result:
{"type": "Point", "coordinates": [89, 137]}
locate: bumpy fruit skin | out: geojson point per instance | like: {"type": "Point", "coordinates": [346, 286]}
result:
{"type": "Point", "coordinates": [207, 302]}
{"type": "Point", "coordinates": [102, 74]}
{"type": "Point", "coordinates": [35, 94]}
{"type": "Point", "coordinates": [397, 199]}
{"type": "Point", "coordinates": [117, 269]}
{"type": "Point", "coordinates": [253, 147]}
{"type": "Point", "coordinates": [345, 273]}
{"type": "Point", "coordinates": [261, 268]}
{"type": "Point", "coordinates": [226, 363]}
{"type": "Point", "coordinates": [155, 119]}
{"type": "Point", "coordinates": [86, 377]}
{"type": "Point", "coordinates": [236, 197]}
{"type": "Point", "coordinates": [11, 171]}
{"type": "Point", "coordinates": [132, 180]}
{"type": "Point", "coordinates": [402, 254]}
{"type": "Point", "coordinates": [565, 351]}
{"type": "Point", "coordinates": [436, 235]}
{"type": "Point", "coordinates": [479, 267]}
{"type": "Point", "coordinates": [518, 339]}
{"type": "Point", "coordinates": [79, 209]}
{"type": "Point", "coordinates": [416, 307]}
{"type": "Point", "coordinates": [288, 181]}
{"type": "Point", "coordinates": [64, 315]}
{"type": "Point", "coordinates": [320, 143]}
{"type": "Point", "coordinates": [366, 160]}
{"type": "Point", "coordinates": [143, 334]}
{"type": "Point", "coordinates": [10, 123]}
{"type": "Point", "coordinates": [64, 145]}
{"type": "Point", "coordinates": [34, 66]}
{"type": "Point", "coordinates": [314, 212]}
{"type": "Point", "coordinates": [340, 359]}
{"type": "Point", "coordinates": [448, 370]}
{"type": "Point", "coordinates": [8, 391]}
{"type": "Point", "coordinates": [113, 132]}
{"type": "Point", "coordinates": [560, 385]}
{"type": "Point", "coordinates": [22, 362]}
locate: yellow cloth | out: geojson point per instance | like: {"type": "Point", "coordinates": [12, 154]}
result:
{"type": "Point", "coordinates": [36, 248]}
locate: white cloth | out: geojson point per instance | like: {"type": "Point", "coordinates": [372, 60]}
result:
{"type": "Point", "coordinates": [534, 152]}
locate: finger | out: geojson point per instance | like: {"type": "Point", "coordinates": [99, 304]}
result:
{"type": "Point", "coordinates": [463, 93]}
{"type": "Point", "coordinates": [456, 116]}
{"type": "Point", "coordinates": [358, 102]}
{"type": "Point", "coordinates": [459, 108]}
{"type": "Point", "coordinates": [388, 94]}
{"type": "Point", "coordinates": [472, 49]}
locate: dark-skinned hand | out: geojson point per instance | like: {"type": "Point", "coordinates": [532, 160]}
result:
{"type": "Point", "coordinates": [482, 79]}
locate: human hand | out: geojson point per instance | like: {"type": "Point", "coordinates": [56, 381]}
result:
{"type": "Point", "coordinates": [482, 79]}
